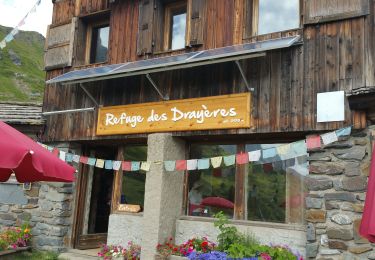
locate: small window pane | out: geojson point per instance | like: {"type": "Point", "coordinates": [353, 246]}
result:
{"type": "Point", "coordinates": [100, 37]}
{"type": "Point", "coordinates": [133, 182]}
{"type": "Point", "coordinates": [178, 31]}
{"type": "Point", "coordinates": [276, 15]}
{"type": "Point", "coordinates": [211, 190]}
{"type": "Point", "coordinates": [275, 188]}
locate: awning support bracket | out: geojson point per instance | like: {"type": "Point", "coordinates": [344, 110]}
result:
{"type": "Point", "coordinates": [243, 76]}
{"type": "Point", "coordinates": [89, 95]}
{"type": "Point", "coordinates": [166, 97]}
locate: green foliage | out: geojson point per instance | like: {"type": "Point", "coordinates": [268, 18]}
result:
{"type": "Point", "coordinates": [37, 255]}
{"type": "Point", "coordinates": [14, 237]}
{"type": "Point", "coordinates": [26, 81]}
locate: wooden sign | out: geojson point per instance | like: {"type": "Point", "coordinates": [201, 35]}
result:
{"type": "Point", "coordinates": [129, 208]}
{"type": "Point", "coordinates": [217, 112]}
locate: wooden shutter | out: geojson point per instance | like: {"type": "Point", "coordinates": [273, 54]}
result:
{"type": "Point", "coordinates": [59, 45]}
{"type": "Point", "coordinates": [146, 17]}
{"type": "Point", "coordinates": [196, 20]}
{"type": "Point", "coordinates": [250, 25]}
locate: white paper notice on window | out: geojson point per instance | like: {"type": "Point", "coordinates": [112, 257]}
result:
{"type": "Point", "coordinates": [330, 106]}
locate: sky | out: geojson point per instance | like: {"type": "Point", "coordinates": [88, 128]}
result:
{"type": "Point", "coordinates": [12, 12]}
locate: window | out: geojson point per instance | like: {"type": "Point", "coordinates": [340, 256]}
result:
{"type": "Point", "coordinates": [270, 190]}
{"type": "Point", "coordinates": [175, 26]}
{"type": "Point", "coordinates": [275, 15]}
{"type": "Point", "coordinates": [133, 182]}
{"type": "Point", "coordinates": [99, 43]}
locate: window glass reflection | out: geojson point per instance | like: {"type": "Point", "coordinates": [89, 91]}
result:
{"type": "Point", "coordinates": [178, 31]}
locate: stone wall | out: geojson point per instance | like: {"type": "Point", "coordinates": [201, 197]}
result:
{"type": "Point", "coordinates": [337, 189]}
{"type": "Point", "coordinates": [46, 207]}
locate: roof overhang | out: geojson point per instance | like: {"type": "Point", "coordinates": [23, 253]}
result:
{"type": "Point", "coordinates": [187, 60]}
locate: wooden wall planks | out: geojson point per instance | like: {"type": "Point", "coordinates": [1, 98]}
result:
{"type": "Point", "coordinates": [334, 56]}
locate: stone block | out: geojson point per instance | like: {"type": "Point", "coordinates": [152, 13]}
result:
{"type": "Point", "coordinates": [352, 169]}
{"type": "Point", "coordinates": [58, 231]}
{"type": "Point", "coordinates": [340, 145]}
{"type": "Point", "coordinates": [312, 250]}
{"type": "Point", "coordinates": [17, 211]}
{"type": "Point", "coordinates": [320, 156]}
{"type": "Point", "coordinates": [32, 201]}
{"type": "Point", "coordinates": [336, 244]}
{"type": "Point", "coordinates": [320, 231]}
{"type": "Point", "coordinates": [7, 216]}
{"type": "Point", "coordinates": [331, 205]}
{"type": "Point", "coordinates": [310, 232]}
{"type": "Point", "coordinates": [313, 203]}
{"type": "Point", "coordinates": [354, 153]}
{"type": "Point", "coordinates": [365, 168]}
{"type": "Point", "coordinates": [34, 192]}
{"type": "Point", "coordinates": [25, 216]}
{"type": "Point", "coordinates": [30, 206]}
{"type": "Point", "coordinates": [55, 196]}
{"type": "Point", "coordinates": [357, 183]}
{"type": "Point", "coordinates": [326, 251]}
{"type": "Point", "coordinates": [360, 249]}
{"type": "Point", "coordinates": [7, 223]}
{"type": "Point", "coordinates": [46, 206]}
{"type": "Point", "coordinates": [4, 208]}
{"type": "Point", "coordinates": [358, 208]}
{"type": "Point", "coordinates": [358, 239]}
{"type": "Point", "coordinates": [340, 232]}
{"type": "Point", "coordinates": [316, 216]}
{"type": "Point", "coordinates": [341, 219]}
{"type": "Point", "coordinates": [346, 206]}
{"type": "Point", "coordinates": [343, 196]}
{"type": "Point", "coordinates": [320, 183]}
{"type": "Point", "coordinates": [67, 190]}
{"type": "Point", "coordinates": [361, 196]}
{"type": "Point", "coordinates": [327, 168]}
{"type": "Point", "coordinates": [361, 141]}
{"type": "Point", "coordinates": [371, 256]}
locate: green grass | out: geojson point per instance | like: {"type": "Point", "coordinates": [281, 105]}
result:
{"type": "Point", "coordinates": [25, 82]}
{"type": "Point", "coordinates": [37, 255]}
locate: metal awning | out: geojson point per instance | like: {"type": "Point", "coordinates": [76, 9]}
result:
{"type": "Point", "coordinates": [187, 60]}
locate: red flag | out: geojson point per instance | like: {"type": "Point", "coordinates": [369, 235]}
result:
{"type": "Point", "coordinates": [181, 165]}
{"type": "Point", "coordinates": [83, 159]}
{"type": "Point", "coordinates": [55, 152]}
{"type": "Point", "coordinates": [242, 158]}
{"type": "Point", "coordinates": [313, 141]}
{"type": "Point", "coordinates": [367, 228]}
{"type": "Point", "coordinates": [126, 166]}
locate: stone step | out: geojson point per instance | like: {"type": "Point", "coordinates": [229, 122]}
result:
{"type": "Point", "coordinates": [75, 254]}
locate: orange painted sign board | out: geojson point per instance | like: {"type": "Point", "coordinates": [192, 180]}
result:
{"type": "Point", "coordinates": [208, 113]}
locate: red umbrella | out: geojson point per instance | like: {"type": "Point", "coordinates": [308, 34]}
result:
{"type": "Point", "coordinates": [28, 160]}
{"type": "Point", "coordinates": [217, 202]}
{"type": "Point", "coordinates": [367, 228]}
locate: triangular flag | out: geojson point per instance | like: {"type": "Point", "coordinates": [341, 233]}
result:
{"type": "Point", "coordinates": [329, 138]}
{"type": "Point", "coordinates": [3, 44]}
{"type": "Point", "coordinates": [62, 155]}
{"type": "Point", "coordinates": [76, 158]}
{"type": "Point", "coordinates": [216, 161]}
{"type": "Point", "coordinates": [181, 165]}
{"type": "Point", "coordinates": [83, 159]}
{"type": "Point", "coordinates": [135, 166]}
{"type": "Point", "coordinates": [22, 22]}
{"type": "Point", "coordinates": [203, 164]}
{"type": "Point", "coordinates": [254, 156]}
{"type": "Point", "coordinates": [33, 10]}
{"type": "Point", "coordinates": [91, 161]}
{"type": "Point", "coordinates": [242, 158]}
{"type": "Point", "coordinates": [9, 38]}
{"type": "Point", "coordinates": [116, 165]}
{"type": "Point", "coordinates": [269, 153]}
{"type": "Point", "coordinates": [267, 167]}
{"type": "Point", "coordinates": [313, 141]}
{"type": "Point", "coordinates": [344, 131]}
{"type": "Point", "coordinates": [99, 163]}
{"type": "Point", "coordinates": [69, 157]}
{"type": "Point", "coordinates": [170, 166]}
{"type": "Point", "coordinates": [145, 166]}
{"type": "Point", "coordinates": [229, 160]}
{"type": "Point", "coordinates": [283, 149]}
{"type": "Point", "coordinates": [38, 3]}
{"type": "Point", "coordinates": [108, 164]}
{"type": "Point", "coordinates": [126, 166]}
{"type": "Point", "coordinates": [192, 165]}
{"type": "Point", "coordinates": [14, 31]}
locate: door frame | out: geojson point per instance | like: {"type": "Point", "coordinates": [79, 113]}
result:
{"type": "Point", "coordinates": [80, 241]}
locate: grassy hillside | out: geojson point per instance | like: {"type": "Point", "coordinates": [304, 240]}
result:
{"type": "Point", "coordinates": [21, 67]}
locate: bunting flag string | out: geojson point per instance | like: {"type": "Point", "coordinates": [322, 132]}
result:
{"type": "Point", "coordinates": [10, 36]}
{"type": "Point", "coordinates": [267, 156]}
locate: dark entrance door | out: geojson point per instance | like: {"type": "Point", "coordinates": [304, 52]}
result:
{"type": "Point", "coordinates": [93, 205]}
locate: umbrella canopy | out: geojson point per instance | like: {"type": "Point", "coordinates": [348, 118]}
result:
{"type": "Point", "coordinates": [28, 160]}
{"type": "Point", "coordinates": [367, 228]}
{"type": "Point", "coordinates": [217, 202]}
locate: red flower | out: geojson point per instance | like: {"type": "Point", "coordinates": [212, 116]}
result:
{"type": "Point", "coordinates": [204, 244]}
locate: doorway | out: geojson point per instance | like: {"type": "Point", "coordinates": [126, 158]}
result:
{"type": "Point", "coordinates": [93, 204]}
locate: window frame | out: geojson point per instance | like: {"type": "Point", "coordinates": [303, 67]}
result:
{"type": "Point", "coordinates": [91, 26]}
{"type": "Point", "coordinates": [241, 171]}
{"type": "Point", "coordinates": [117, 182]}
{"type": "Point", "coordinates": [254, 5]}
{"type": "Point", "coordinates": [170, 10]}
